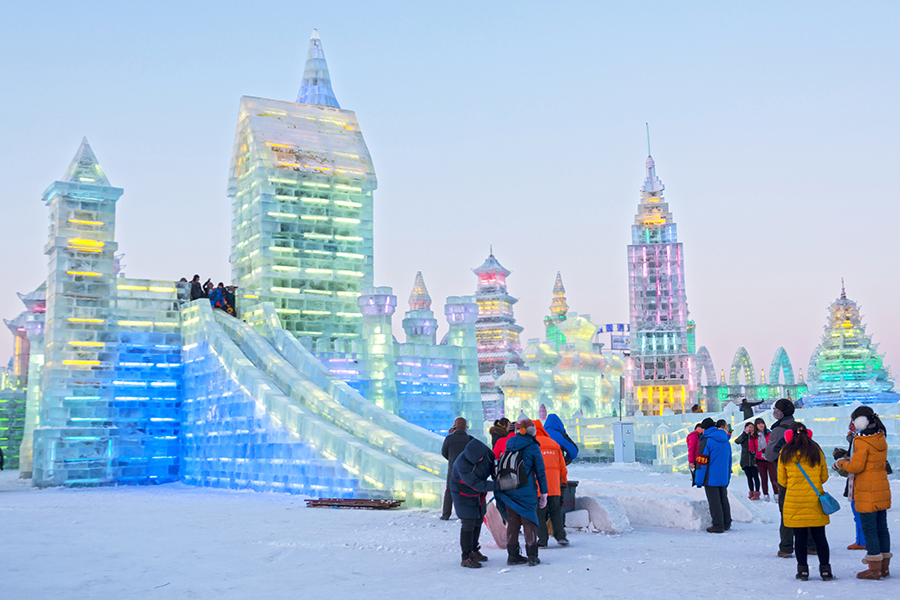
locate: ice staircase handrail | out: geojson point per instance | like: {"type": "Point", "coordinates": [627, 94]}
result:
{"type": "Point", "coordinates": [308, 394]}
{"type": "Point", "coordinates": [416, 486]}
{"type": "Point", "coordinates": [265, 320]}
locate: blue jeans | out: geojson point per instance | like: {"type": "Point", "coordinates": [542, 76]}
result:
{"type": "Point", "coordinates": [874, 525]}
{"type": "Point", "coordinates": [860, 536]}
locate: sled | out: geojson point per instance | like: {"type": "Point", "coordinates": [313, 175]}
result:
{"type": "Point", "coordinates": [495, 523]}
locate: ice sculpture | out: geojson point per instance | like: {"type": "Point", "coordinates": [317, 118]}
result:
{"type": "Point", "coordinates": [661, 369]}
{"type": "Point", "coordinates": [848, 367]}
{"type": "Point", "coordinates": [498, 334]}
{"type": "Point", "coordinates": [301, 184]}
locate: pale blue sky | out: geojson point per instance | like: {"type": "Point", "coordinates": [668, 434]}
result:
{"type": "Point", "coordinates": [518, 124]}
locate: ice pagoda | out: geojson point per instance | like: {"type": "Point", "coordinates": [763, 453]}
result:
{"type": "Point", "coordinates": [301, 185]}
{"type": "Point", "coordinates": [846, 366]}
{"type": "Point", "coordinates": [661, 368]}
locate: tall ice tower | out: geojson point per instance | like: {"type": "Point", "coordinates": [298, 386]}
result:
{"type": "Point", "coordinates": [301, 184]}
{"type": "Point", "coordinates": [661, 371]}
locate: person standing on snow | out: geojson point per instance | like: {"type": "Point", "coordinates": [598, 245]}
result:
{"type": "Point", "coordinates": [748, 443]}
{"type": "Point", "coordinates": [519, 506]}
{"type": "Point", "coordinates": [500, 429]}
{"type": "Point", "coordinates": [767, 470]}
{"type": "Point", "coordinates": [470, 480]}
{"type": "Point", "coordinates": [801, 508]}
{"type": "Point", "coordinates": [693, 442]}
{"type": "Point", "coordinates": [714, 474]}
{"type": "Point", "coordinates": [554, 427]}
{"type": "Point", "coordinates": [747, 408]}
{"type": "Point", "coordinates": [453, 446]}
{"type": "Point", "coordinates": [870, 490]}
{"type": "Point", "coordinates": [556, 473]}
{"type": "Point", "coordinates": [839, 453]}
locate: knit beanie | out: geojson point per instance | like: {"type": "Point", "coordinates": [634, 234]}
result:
{"type": "Point", "coordinates": [785, 406]}
{"type": "Point", "coordinates": [707, 423]}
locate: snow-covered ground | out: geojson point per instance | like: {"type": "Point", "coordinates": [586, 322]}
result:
{"type": "Point", "coordinates": [177, 541]}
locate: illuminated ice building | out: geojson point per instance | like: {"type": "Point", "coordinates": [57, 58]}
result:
{"type": "Point", "coordinates": [846, 366]}
{"type": "Point", "coordinates": [497, 332]}
{"type": "Point", "coordinates": [661, 368]}
{"type": "Point", "coordinates": [566, 374]}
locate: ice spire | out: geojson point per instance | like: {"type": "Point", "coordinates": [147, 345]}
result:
{"type": "Point", "coordinates": [419, 298]}
{"type": "Point", "coordinates": [85, 168]}
{"type": "Point", "coordinates": [316, 85]}
{"type": "Point", "coordinates": [652, 183]}
{"type": "Point", "coordinates": [558, 306]}
{"type": "Point", "coordinates": [843, 291]}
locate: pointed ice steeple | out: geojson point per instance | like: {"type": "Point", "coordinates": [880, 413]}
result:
{"type": "Point", "coordinates": [85, 168]}
{"type": "Point", "coordinates": [316, 85]}
{"type": "Point", "coordinates": [558, 306]}
{"type": "Point", "coordinates": [651, 183]}
{"type": "Point", "coordinates": [419, 298]}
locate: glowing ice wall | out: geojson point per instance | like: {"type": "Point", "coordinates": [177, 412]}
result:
{"type": "Point", "coordinates": [301, 184]}
{"type": "Point", "coordinates": [661, 370]}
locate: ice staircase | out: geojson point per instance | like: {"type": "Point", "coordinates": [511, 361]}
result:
{"type": "Point", "coordinates": [262, 413]}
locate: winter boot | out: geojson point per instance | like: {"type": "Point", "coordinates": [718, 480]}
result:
{"type": "Point", "coordinates": [470, 562]}
{"type": "Point", "coordinates": [477, 555]}
{"type": "Point", "coordinates": [802, 572]}
{"type": "Point", "coordinates": [855, 546]}
{"type": "Point", "coordinates": [514, 557]}
{"type": "Point", "coordinates": [750, 496]}
{"type": "Point", "coordinates": [874, 571]}
{"type": "Point", "coordinates": [768, 498]}
{"type": "Point", "coordinates": [532, 552]}
{"type": "Point", "coordinates": [825, 572]}
{"type": "Point", "coordinates": [885, 563]}
{"type": "Point", "coordinates": [755, 496]}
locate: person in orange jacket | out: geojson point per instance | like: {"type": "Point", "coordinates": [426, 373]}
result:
{"type": "Point", "coordinates": [555, 468]}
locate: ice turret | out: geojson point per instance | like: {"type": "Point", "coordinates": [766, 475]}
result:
{"type": "Point", "coordinates": [316, 85]}
{"type": "Point", "coordinates": [419, 298]}
{"type": "Point", "coordinates": [559, 306]}
{"type": "Point", "coordinates": [419, 324]}
{"type": "Point", "coordinates": [85, 168]}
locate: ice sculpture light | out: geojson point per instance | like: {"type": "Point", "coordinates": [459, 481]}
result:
{"type": "Point", "coordinates": [498, 334]}
{"type": "Point", "coordinates": [301, 184]}
{"type": "Point", "coordinates": [661, 371]}
{"type": "Point", "coordinates": [846, 366]}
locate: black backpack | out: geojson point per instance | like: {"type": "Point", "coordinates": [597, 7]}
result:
{"type": "Point", "coordinates": [512, 474]}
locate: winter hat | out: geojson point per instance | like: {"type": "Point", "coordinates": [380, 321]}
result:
{"type": "Point", "coordinates": [707, 423]}
{"type": "Point", "coordinates": [785, 406]}
{"type": "Point", "coordinates": [526, 426]}
{"type": "Point", "coordinates": [789, 435]}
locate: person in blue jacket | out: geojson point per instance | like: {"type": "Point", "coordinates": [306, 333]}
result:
{"type": "Point", "coordinates": [470, 480]}
{"type": "Point", "coordinates": [554, 427]}
{"type": "Point", "coordinates": [714, 474]}
{"type": "Point", "coordinates": [519, 506]}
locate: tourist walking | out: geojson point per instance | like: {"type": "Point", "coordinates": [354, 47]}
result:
{"type": "Point", "coordinates": [784, 413]}
{"type": "Point", "coordinates": [767, 470]}
{"type": "Point", "coordinates": [802, 471]}
{"type": "Point", "coordinates": [470, 480]}
{"type": "Point", "coordinates": [748, 443]}
{"type": "Point", "coordinates": [870, 490]}
{"type": "Point", "coordinates": [519, 505]}
{"type": "Point", "coordinates": [714, 474]}
{"type": "Point", "coordinates": [556, 473]}
{"type": "Point", "coordinates": [454, 444]}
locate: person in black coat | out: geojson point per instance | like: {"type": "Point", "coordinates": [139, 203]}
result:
{"type": "Point", "coordinates": [197, 289]}
{"type": "Point", "coordinates": [454, 444]}
{"type": "Point", "coordinates": [470, 480]}
{"type": "Point", "coordinates": [747, 408]}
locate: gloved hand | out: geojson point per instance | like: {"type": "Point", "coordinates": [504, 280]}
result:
{"type": "Point", "coordinates": [543, 501]}
{"type": "Point", "coordinates": [562, 486]}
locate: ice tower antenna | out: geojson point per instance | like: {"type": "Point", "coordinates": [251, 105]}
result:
{"type": "Point", "coordinates": [648, 139]}
{"type": "Point", "coordinates": [316, 85]}
{"type": "Point", "coordinates": [843, 292]}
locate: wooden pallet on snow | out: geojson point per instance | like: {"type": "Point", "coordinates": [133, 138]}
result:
{"type": "Point", "coordinates": [365, 504]}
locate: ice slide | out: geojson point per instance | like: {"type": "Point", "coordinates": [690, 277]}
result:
{"type": "Point", "coordinates": [300, 409]}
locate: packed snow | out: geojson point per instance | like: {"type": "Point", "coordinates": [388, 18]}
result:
{"type": "Point", "coordinates": [178, 541]}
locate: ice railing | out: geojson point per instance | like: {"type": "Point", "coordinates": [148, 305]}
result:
{"type": "Point", "coordinates": [360, 456]}
{"type": "Point", "coordinates": [265, 320]}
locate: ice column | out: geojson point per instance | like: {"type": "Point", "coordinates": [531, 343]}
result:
{"type": "Point", "coordinates": [462, 314]}
{"type": "Point", "coordinates": [377, 305]}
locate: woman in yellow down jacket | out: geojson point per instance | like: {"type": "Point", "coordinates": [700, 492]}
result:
{"type": "Point", "coordinates": [802, 509]}
{"type": "Point", "coordinates": [869, 489]}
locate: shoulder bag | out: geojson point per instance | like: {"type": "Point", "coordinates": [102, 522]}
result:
{"type": "Point", "coordinates": [829, 504]}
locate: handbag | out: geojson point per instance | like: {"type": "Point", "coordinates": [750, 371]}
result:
{"type": "Point", "coordinates": [829, 504]}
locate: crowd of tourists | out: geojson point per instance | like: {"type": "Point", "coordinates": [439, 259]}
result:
{"type": "Point", "coordinates": [220, 296]}
{"type": "Point", "coordinates": [790, 460]}
{"type": "Point", "coordinates": [526, 471]}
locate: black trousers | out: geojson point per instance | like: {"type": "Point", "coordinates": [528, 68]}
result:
{"type": "Point", "coordinates": [469, 534]}
{"type": "Point", "coordinates": [515, 522]}
{"type": "Point", "coordinates": [802, 535]}
{"type": "Point", "coordinates": [786, 544]}
{"type": "Point", "coordinates": [554, 510]}
{"type": "Point", "coordinates": [719, 508]}
{"type": "Point", "coordinates": [448, 501]}
{"type": "Point", "coordinates": [752, 478]}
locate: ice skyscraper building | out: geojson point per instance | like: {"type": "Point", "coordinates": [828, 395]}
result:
{"type": "Point", "coordinates": [301, 184]}
{"type": "Point", "coordinates": [661, 369]}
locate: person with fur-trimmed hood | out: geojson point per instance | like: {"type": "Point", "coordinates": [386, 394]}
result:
{"type": "Point", "coordinates": [870, 491]}
{"type": "Point", "coordinates": [713, 474]}
{"type": "Point", "coordinates": [470, 479]}
{"type": "Point", "coordinates": [519, 506]}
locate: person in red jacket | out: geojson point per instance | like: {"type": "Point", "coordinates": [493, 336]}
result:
{"type": "Point", "coordinates": [693, 443]}
{"type": "Point", "coordinates": [555, 468]}
{"type": "Point", "coordinates": [500, 446]}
